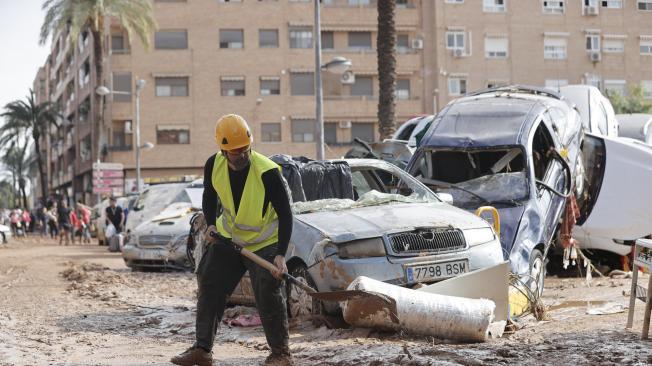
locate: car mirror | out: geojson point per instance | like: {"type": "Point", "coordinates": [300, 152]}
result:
{"type": "Point", "coordinates": [446, 197]}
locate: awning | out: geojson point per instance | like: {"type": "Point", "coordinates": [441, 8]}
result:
{"type": "Point", "coordinates": [270, 78]}
{"type": "Point", "coordinates": [556, 34]}
{"type": "Point", "coordinates": [232, 78]}
{"type": "Point", "coordinates": [170, 75]}
{"type": "Point", "coordinates": [614, 36]}
{"type": "Point", "coordinates": [172, 127]}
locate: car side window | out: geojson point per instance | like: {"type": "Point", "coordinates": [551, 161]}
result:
{"type": "Point", "coordinates": [360, 184]}
{"type": "Point", "coordinates": [542, 151]}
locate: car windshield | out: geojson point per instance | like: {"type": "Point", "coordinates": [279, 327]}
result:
{"type": "Point", "coordinates": [157, 196]}
{"type": "Point", "coordinates": [373, 186]}
{"type": "Point", "coordinates": [475, 177]}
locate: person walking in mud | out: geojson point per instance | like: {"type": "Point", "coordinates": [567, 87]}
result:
{"type": "Point", "coordinates": [255, 214]}
{"type": "Point", "coordinates": [65, 226]}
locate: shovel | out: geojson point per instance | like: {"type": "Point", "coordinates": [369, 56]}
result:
{"type": "Point", "coordinates": [373, 300]}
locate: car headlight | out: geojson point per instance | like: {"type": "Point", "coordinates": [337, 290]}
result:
{"type": "Point", "coordinates": [479, 236]}
{"type": "Point", "coordinates": [364, 248]}
{"type": "Point", "coordinates": [180, 240]}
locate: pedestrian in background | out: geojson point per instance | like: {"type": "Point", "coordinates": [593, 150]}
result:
{"type": "Point", "coordinates": [65, 227]}
{"type": "Point", "coordinates": [84, 214]}
{"type": "Point", "coordinates": [53, 220]}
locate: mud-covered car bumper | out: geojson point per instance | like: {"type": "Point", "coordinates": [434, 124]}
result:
{"type": "Point", "coordinates": [155, 257]}
{"type": "Point", "coordinates": [335, 273]}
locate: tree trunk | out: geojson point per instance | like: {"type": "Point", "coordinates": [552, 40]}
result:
{"type": "Point", "coordinates": [98, 54]}
{"type": "Point", "coordinates": [39, 162]}
{"type": "Point", "coordinates": [386, 42]}
{"type": "Point", "coordinates": [21, 185]}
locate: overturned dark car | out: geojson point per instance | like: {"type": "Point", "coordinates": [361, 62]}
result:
{"type": "Point", "coordinates": [517, 149]}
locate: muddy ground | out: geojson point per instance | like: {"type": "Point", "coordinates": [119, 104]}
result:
{"type": "Point", "coordinates": [79, 305]}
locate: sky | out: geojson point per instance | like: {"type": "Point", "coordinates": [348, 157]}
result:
{"type": "Point", "coordinates": [21, 56]}
{"type": "Point", "coordinates": [20, 23]}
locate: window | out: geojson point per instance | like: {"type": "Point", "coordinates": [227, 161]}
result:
{"type": "Point", "coordinates": [121, 137]}
{"type": "Point", "coordinates": [330, 133]}
{"type": "Point", "coordinates": [612, 4]}
{"type": "Point", "coordinates": [646, 47]}
{"type": "Point", "coordinates": [553, 7]}
{"type": "Point", "coordinates": [613, 87]}
{"type": "Point", "coordinates": [456, 86]}
{"type": "Point", "coordinates": [268, 38]}
{"type": "Point", "coordinates": [556, 83]}
{"type": "Point", "coordinates": [614, 46]}
{"type": "Point", "coordinates": [495, 47]}
{"type": "Point", "coordinates": [171, 86]}
{"type": "Point", "coordinates": [644, 5]}
{"type": "Point", "coordinates": [359, 2]}
{"type": "Point", "coordinates": [455, 40]}
{"type": "Point", "coordinates": [300, 37]}
{"type": "Point", "coordinates": [493, 6]}
{"type": "Point", "coordinates": [327, 40]}
{"type": "Point", "coordinates": [363, 86]}
{"type": "Point", "coordinates": [270, 132]}
{"type": "Point", "coordinates": [402, 91]}
{"type": "Point", "coordinates": [647, 88]}
{"type": "Point", "coordinates": [402, 43]}
{"type": "Point", "coordinates": [122, 84]}
{"type": "Point", "coordinates": [594, 80]}
{"type": "Point", "coordinates": [302, 83]}
{"type": "Point", "coordinates": [360, 40]}
{"type": "Point", "coordinates": [172, 134]}
{"type": "Point", "coordinates": [363, 131]}
{"type": "Point", "coordinates": [118, 43]}
{"type": "Point", "coordinates": [593, 42]}
{"type": "Point", "coordinates": [171, 40]}
{"type": "Point", "coordinates": [303, 130]}
{"type": "Point", "coordinates": [232, 86]}
{"type": "Point", "coordinates": [231, 38]}
{"type": "Point", "coordinates": [270, 85]}
{"type": "Point", "coordinates": [554, 48]}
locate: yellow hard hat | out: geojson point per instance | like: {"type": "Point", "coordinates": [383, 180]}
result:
{"type": "Point", "coordinates": [232, 132]}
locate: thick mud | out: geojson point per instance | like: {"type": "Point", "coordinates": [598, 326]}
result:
{"type": "Point", "coordinates": [79, 305]}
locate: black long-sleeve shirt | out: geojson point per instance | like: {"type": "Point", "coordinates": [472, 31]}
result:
{"type": "Point", "coordinates": [275, 194]}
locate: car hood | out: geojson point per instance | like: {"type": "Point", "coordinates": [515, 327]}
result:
{"type": "Point", "coordinates": [373, 221]}
{"type": "Point", "coordinates": [173, 220]}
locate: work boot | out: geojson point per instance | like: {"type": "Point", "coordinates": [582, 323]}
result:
{"type": "Point", "coordinates": [279, 359]}
{"type": "Point", "coordinates": [193, 356]}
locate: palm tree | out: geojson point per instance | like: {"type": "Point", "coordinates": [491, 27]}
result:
{"type": "Point", "coordinates": [386, 42]}
{"type": "Point", "coordinates": [25, 118]}
{"type": "Point", "coordinates": [135, 16]}
{"type": "Point", "coordinates": [17, 161]}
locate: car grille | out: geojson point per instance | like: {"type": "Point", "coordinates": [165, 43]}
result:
{"type": "Point", "coordinates": [427, 240]}
{"type": "Point", "coordinates": [152, 240]}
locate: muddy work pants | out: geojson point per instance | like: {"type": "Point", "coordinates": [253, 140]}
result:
{"type": "Point", "coordinates": [219, 271]}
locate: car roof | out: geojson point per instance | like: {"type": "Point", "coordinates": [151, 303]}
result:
{"type": "Point", "coordinates": [485, 120]}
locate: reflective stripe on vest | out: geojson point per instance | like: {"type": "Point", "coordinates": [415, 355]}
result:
{"type": "Point", "coordinates": [247, 227]}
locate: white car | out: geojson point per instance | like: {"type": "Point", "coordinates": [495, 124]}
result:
{"type": "Point", "coordinates": [5, 232]}
{"type": "Point", "coordinates": [636, 126]}
{"type": "Point", "coordinates": [595, 109]}
{"type": "Point", "coordinates": [151, 202]}
{"type": "Point", "coordinates": [160, 242]}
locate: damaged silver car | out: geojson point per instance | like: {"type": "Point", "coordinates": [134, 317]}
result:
{"type": "Point", "coordinates": [160, 242]}
{"type": "Point", "coordinates": [382, 223]}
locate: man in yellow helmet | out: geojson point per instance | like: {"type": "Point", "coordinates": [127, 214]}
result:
{"type": "Point", "coordinates": [255, 214]}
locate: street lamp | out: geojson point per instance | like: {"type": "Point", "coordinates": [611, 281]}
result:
{"type": "Point", "coordinates": [337, 66]}
{"type": "Point", "coordinates": [140, 84]}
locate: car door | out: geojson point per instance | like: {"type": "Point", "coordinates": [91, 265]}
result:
{"type": "Point", "coordinates": [617, 202]}
{"type": "Point", "coordinates": [550, 178]}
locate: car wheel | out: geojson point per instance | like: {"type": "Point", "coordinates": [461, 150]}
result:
{"type": "Point", "coordinates": [298, 301]}
{"type": "Point", "coordinates": [537, 273]}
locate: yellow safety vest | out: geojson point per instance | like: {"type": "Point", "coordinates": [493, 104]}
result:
{"type": "Point", "coordinates": [247, 228]}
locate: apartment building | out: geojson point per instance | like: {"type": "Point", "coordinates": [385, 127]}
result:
{"type": "Point", "coordinates": [481, 43]}
{"type": "Point", "coordinates": [209, 58]}
{"type": "Point", "coordinates": [256, 58]}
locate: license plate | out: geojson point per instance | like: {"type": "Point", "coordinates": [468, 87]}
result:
{"type": "Point", "coordinates": [152, 254]}
{"type": "Point", "coordinates": [435, 271]}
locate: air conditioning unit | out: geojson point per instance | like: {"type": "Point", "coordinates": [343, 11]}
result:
{"type": "Point", "coordinates": [345, 124]}
{"type": "Point", "coordinates": [128, 127]}
{"type": "Point", "coordinates": [458, 52]}
{"type": "Point", "coordinates": [417, 44]}
{"type": "Point", "coordinates": [348, 77]}
{"type": "Point", "coordinates": [592, 10]}
{"type": "Point", "coordinates": [595, 56]}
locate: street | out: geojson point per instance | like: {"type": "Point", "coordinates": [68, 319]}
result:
{"type": "Point", "coordinates": [79, 305]}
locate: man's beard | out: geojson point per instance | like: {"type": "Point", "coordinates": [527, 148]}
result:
{"type": "Point", "coordinates": [239, 163]}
